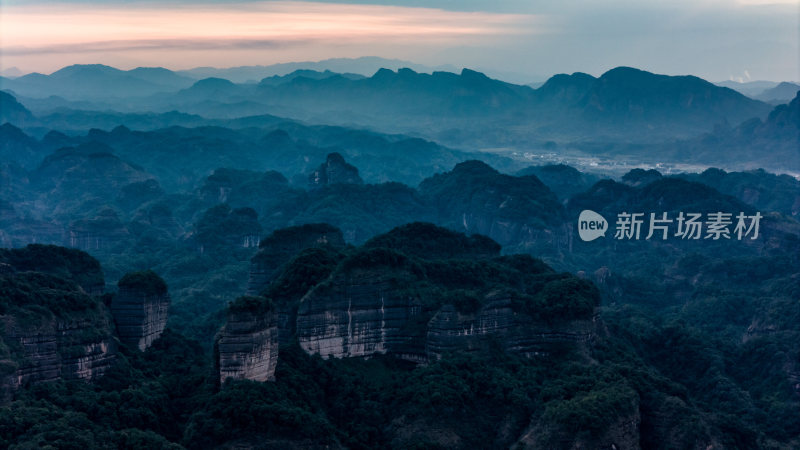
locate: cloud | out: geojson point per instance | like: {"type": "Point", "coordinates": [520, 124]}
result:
{"type": "Point", "coordinates": [41, 29]}
{"type": "Point", "coordinates": [708, 38]}
{"type": "Point", "coordinates": [155, 44]}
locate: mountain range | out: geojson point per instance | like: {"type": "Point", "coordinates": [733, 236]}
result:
{"type": "Point", "coordinates": [467, 110]}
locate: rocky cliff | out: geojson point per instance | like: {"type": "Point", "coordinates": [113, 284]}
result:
{"type": "Point", "coordinates": [140, 308]}
{"type": "Point", "coordinates": [56, 348]}
{"type": "Point", "coordinates": [360, 313]}
{"type": "Point", "coordinates": [387, 298]}
{"type": "Point", "coordinates": [498, 323]}
{"type": "Point", "coordinates": [51, 327]}
{"type": "Point", "coordinates": [335, 170]}
{"type": "Point", "coordinates": [247, 347]}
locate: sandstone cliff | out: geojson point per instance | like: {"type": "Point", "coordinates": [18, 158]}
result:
{"type": "Point", "coordinates": [497, 323]}
{"type": "Point", "coordinates": [53, 348]}
{"type": "Point", "coordinates": [50, 327]}
{"type": "Point", "coordinates": [247, 347]}
{"type": "Point", "coordinates": [378, 300]}
{"type": "Point", "coordinates": [140, 308]}
{"type": "Point", "coordinates": [359, 313]}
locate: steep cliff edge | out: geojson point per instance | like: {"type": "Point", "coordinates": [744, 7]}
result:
{"type": "Point", "coordinates": [140, 308]}
{"type": "Point", "coordinates": [334, 171]}
{"type": "Point", "coordinates": [247, 346]}
{"type": "Point", "coordinates": [454, 294]}
{"type": "Point", "coordinates": [360, 313]}
{"type": "Point", "coordinates": [498, 323]}
{"type": "Point", "coordinates": [51, 327]}
{"type": "Point", "coordinates": [418, 293]}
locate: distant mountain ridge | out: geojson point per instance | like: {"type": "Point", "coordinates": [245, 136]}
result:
{"type": "Point", "coordinates": [781, 93]}
{"type": "Point", "coordinates": [625, 109]}
{"type": "Point", "coordinates": [93, 81]}
{"type": "Point", "coordinates": [365, 66]}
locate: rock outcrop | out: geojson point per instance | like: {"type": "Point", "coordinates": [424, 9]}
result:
{"type": "Point", "coordinates": [279, 247]}
{"type": "Point", "coordinates": [140, 308]}
{"type": "Point", "coordinates": [360, 313]}
{"type": "Point", "coordinates": [335, 170]}
{"type": "Point", "coordinates": [51, 328]}
{"type": "Point", "coordinates": [387, 298]}
{"type": "Point", "coordinates": [57, 348]}
{"type": "Point", "coordinates": [498, 323]}
{"type": "Point", "coordinates": [247, 346]}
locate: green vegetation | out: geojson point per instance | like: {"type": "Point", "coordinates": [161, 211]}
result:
{"type": "Point", "coordinates": [309, 268]}
{"type": "Point", "coordinates": [300, 236]}
{"type": "Point", "coordinates": [427, 241]}
{"type": "Point", "coordinates": [697, 342]}
{"type": "Point", "coordinates": [249, 304]}
{"type": "Point", "coordinates": [145, 281]}
{"type": "Point", "coordinates": [66, 263]}
{"type": "Point", "coordinates": [40, 293]}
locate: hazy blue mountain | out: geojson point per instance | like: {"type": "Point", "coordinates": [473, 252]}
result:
{"type": "Point", "coordinates": [782, 93]}
{"type": "Point", "coordinates": [306, 73]}
{"type": "Point", "coordinates": [640, 97]}
{"type": "Point", "coordinates": [18, 147]}
{"type": "Point", "coordinates": [366, 66]}
{"type": "Point", "coordinates": [764, 190]}
{"type": "Point", "coordinates": [565, 181]}
{"type": "Point", "coordinates": [773, 143]}
{"type": "Point", "coordinates": [748, 88]}
{"type": "Point", "coordinates": [13, 111]}
{"type": "Point", "coordinates": [211, 87]}
{"type": "Point", "coordinates": [197, 146]}
{"type": "Point", "coordinates": [565, 90]}
{"type": "Point", "coordinates": [161, 76]}
{"type": "Point", "coordinates": [92, 81]}
{"type": "Point", "coordinates": [625, 111]}
{"type": "Point", "coordinates": [11, 72]}
{"type": "Point", "coordinates": [466, 109]}
{"type": "Point", "coordinates": [90, 169]}
{"type": "Point", "coordinates": [78, 121]}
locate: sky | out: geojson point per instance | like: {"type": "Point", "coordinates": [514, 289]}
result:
{"type": "Point", "coordinates": [718, 40]}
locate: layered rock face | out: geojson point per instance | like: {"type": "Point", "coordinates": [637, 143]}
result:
{"type": "Point", "coordinates": [248, 347]}
{"type": "Point", "coordinates": [497, 322]}
{"type": "Point", "coordinates": [363, 315]}
{"type": "Point", "coordinates": [140, 308]}
{"type": "Point", "coordinates": [387, 298]}
{"type": "Point", "coordinates": [279, 247]}
{"type": "Point", "coordinates": [358, 314]}
{"type": "Point", "coordinates": [58, 349]}
{"type": "Point", "coordinates": [51, 328]}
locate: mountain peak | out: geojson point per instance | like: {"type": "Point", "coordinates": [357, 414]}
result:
{"type": "Point", "coordinates": [81, 69]}
{"type": "Point", "coordinates": [213, 83]}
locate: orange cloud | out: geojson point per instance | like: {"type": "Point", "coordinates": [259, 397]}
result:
{"type": "Point", "coordinates": [30, 35]}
